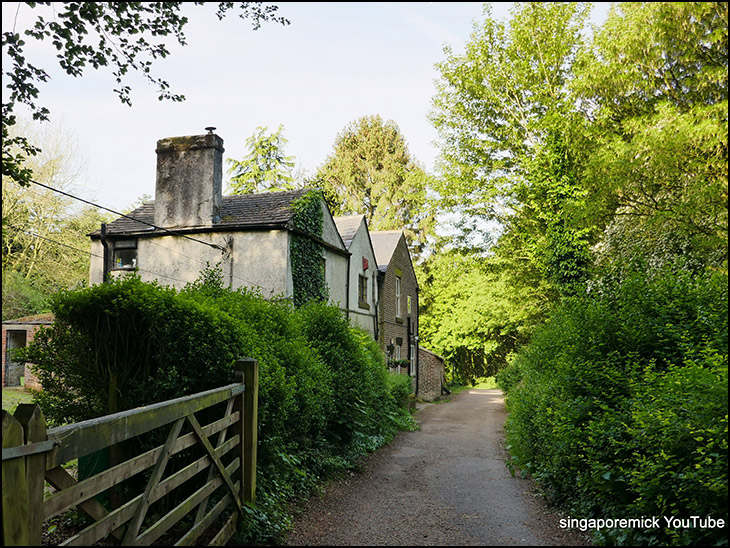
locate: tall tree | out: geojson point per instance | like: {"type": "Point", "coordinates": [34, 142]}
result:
{"type": "Point", "coordinates": [654, 86]}
{"type": "Point", "coordinates": [45, 247]}
{"type": "Point", "coordinates": [266, 167]}
{"type": "Point", "coordinates": [125, 36]}
{"type": "Point", "coordinates": [512, 138]}
{"type": "Point", "coordinates": [372, 172]}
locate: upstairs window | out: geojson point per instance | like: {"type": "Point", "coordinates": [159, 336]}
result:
{"type": "Point", "coordinates": [397, 298]}
{"type": "Point", "coordinates": [362, 292]}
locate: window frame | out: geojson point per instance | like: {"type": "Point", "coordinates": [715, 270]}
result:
{"type": "Point", "coordinates": [124, 247]}
{"type": "Point", "coordinates": [362, 292]}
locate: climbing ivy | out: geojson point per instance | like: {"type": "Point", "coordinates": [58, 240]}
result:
{"type": "Point", "coordinates": [306, 252]}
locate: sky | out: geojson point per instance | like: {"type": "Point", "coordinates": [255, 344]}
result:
{"type": "Point", "coordinates": [335, 63]}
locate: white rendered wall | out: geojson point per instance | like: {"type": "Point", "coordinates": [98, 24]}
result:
{"type": "Point", "coordinates": [258, 260]}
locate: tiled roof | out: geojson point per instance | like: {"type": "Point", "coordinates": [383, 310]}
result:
{"type": "Point", "coordinates": [384, 244]}
{"type": "Point", "coordinates": [348, 226]}
{"type": "Point", "coordinates": [241, 211]}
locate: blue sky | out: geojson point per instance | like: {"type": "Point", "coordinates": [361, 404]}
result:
{"type": "Point", "coordinates": [336, 62]}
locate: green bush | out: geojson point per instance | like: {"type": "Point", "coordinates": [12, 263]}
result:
{"type": "Point", "coordinates": [125, 344]}
{"type": "Point", "coordinates": [400, 387]}
{"type": "Point", "coordinates": [618, 406]}
{"type": "Point", "coordinates": [324, 395]}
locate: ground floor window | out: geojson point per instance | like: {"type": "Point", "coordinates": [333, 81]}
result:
{"type": "Point", "coordinates": [413, 361]}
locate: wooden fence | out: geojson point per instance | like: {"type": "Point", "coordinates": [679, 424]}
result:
{"type": "Point", "coordinates": [33, 456]}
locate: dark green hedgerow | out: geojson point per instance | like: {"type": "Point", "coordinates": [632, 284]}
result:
{"type": "Point", "coordinates": [324, 397]}
{"type": "Point", "coordinates": [619, 406]}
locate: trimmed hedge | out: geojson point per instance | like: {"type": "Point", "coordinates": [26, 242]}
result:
{"type": "Point", "coordinates": [619, 406]}
{"type": "Point", "coordinates": [324, 396]}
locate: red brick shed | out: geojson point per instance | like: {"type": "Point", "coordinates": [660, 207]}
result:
{"type": "Point", "coordinates": [431, 375]}
{"type": "Point", "coordinates": [17, 334]}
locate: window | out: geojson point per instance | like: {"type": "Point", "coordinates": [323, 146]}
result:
{"type": "Point", "coordinates": [14, 371]}
{"type": "Point", "coordinates": [397, 352]}
{"type": "Point", "coordinates": [412, 372]}
{"type": "Point", "coordinates": [397, 298]}
{"type": "Point", "coordinates": [408, 306]}
{"type": "Point", "coordinates": [125, 255]}
{"type": "Point", "coordinates": [362, 292]}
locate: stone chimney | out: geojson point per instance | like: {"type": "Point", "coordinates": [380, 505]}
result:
{"type": "Point", "coordinates": [189, 187]}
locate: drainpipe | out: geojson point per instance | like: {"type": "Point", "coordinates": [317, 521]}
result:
{"type": "Point", "coordinates": [105, 245]}
{"type": "Point", "coordinates": [376, 331]}
{"type": "Point", "coordinates": [418, 362]}
{"type": "Point", "coordinates": [347, 287]}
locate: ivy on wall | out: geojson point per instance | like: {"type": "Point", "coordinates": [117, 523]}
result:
{"type": "Point", "coordinates": [306, 252]}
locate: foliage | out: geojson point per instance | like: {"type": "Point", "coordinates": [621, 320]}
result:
{"type": "Point", "coordinates": [371, 172]}
{"type": "Point", "coordinates": [586, 152]}
{"type": "Point", "coordinates": [401, 387]}
{"type": "Point", "coordinates": [45, 247]}
{"type": "Point", "coordinates": [472, 314]}
{"type": "Point", "coordinates": [654, 85]}
{"type": "Point", "coordinates": [619, 404]}
{"type": "Point", "coordinates": [512, 152]}
{"type": "Point", "coordinates": [306, 252]}
{"type": "Point", "coordinates": [126, 36]}
{"type": "Point", "coordinates": [495, 101]}
{"type": "Point", "coordinates": [324, 395]}
{"type": "Point", "coordinates": [21, 298]}
{"type": "Point", "coordinates": [265, 168]}
{"type": "Point", "coordinates": [108, 340]}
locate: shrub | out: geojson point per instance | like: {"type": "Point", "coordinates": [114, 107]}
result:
{"type": "Point", "coordinates": [618, 406]}
{"type": "Point", "coordinates": [125, 344]}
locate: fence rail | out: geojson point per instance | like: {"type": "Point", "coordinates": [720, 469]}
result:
{"type": "Point", "coordinates": [33, 457]}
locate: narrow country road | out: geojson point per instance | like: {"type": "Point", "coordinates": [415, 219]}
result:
{"type": "Point", "coordinates": [444, 485]}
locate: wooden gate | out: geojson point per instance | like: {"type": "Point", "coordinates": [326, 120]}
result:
{"type": "Point", "coordinates": [33, 456]}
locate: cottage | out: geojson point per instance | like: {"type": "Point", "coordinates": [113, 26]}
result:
{"type": "Point", "coordinates": [398, 301]}
{"type": "Point", "coordinates": [191, 225]}
{"type": "Point", "coordinates": [362, 301]}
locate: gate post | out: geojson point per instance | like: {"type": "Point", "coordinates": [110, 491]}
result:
{"type": "Point", "coordinates": [15, 487]}
{"type": "Point", "coordinates": [33, 422]}
{"type": "Point", "coordinates": [247, 371]}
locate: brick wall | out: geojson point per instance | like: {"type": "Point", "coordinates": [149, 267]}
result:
{"type": "Point", "coordinates": [392, 326]}
{"type": "Point", "coordinates": [430, 374]}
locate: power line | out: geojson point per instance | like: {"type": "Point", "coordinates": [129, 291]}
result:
{"type": "Point", "coordinates": [205, 264]}
{"type": "Point", "coordinates": [174, 233]}
{"type": "Point", "coordinates": [89, 253]}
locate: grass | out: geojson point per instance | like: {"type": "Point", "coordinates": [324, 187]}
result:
{"type": "Point", "coordinates": [14, 396]}
{"type": "Point", "coordinates": [486, 383]}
